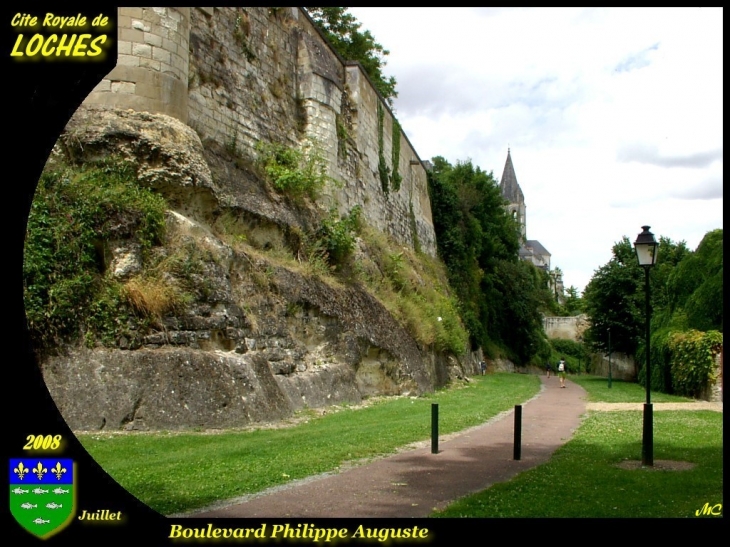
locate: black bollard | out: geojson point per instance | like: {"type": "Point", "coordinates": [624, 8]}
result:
{"type": "Point", "coordinates": [434, 428]}
{"type": "Point", "coordinates": [518, 432]}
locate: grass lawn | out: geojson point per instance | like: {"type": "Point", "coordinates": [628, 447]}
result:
{"type": "Point", "coordinates": [584, 477]}
{"type": "Point", "coordinates": [620, 391]}
{"type": "Point", "coordinates": [175, 472]}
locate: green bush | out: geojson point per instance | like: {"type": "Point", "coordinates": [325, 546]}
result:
{"type": "Point", "coordinates": [74, 213]}
{"type": "Point", "coordinates": [337, 235]}
{"type": "Point", "coordinates": [294, 172]}
{"type": "Point", "coordinates": [693, 360]}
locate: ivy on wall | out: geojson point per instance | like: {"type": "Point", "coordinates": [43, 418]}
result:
{"type": "Point", "coordinates": [383, 169]}
{"type": "Point", "coordinates": [396, 178]}
{"type": "Point", "coordinates": [342, 136]}
{"type": "Point", "coordinates": [414, 228]}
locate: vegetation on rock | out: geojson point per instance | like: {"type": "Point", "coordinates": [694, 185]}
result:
{"type": "Point", "coordinates": [69, 291]}
{"type": "Point", "coordinates": [292, 171]}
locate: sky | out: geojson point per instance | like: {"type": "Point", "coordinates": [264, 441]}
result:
{"type": "Point", "coordinates": [613, 116]}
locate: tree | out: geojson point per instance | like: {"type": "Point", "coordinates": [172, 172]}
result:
{"type": "Point", "coordinates": [695, 286]}
{"type": "Point", "coordinates": [500, 297]}
{"type": "Point", "coordinates": [343, 31]}
{"type": "Point", "coordinates": [516, 296]}
{"type": "Point", "coordinates": [686, 293]}
{"type": "Point", "coordinates": [574, 304]}
{"type": "Point", "coordinates": [614, 298]}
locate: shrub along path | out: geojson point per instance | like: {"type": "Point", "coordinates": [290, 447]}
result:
{"type": "Point", "coordinates": [415, 482]}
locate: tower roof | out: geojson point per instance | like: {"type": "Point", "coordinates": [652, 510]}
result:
{"type": "Point", "coordinates": [511, 190]}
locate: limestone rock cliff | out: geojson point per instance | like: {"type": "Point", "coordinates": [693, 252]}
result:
{"type": "Point", "coordinates": [263, 338]}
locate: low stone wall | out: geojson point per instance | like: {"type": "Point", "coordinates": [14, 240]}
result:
{"type": "Point", "coordinates": [623, 367]}
{"type": "Point", "coordinates": [713, 391]}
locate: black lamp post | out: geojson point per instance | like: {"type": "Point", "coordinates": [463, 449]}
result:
{"type": "Point", "coordinates": [609, 357]}
{"type": "Point", "coordinates": [646, 251]}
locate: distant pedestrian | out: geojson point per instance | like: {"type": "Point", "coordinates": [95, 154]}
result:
{"type": "Point", "coordinates": [561, 371]}
{"type": "Point", "coordinates": [548, 369]}
{"type": "Point", "coordinates": [483, 367]}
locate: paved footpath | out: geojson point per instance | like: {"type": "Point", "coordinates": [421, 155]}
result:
{"type": "Point", "coordinates": [415, 482]}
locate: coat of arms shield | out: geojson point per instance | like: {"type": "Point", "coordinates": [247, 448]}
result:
{"type": "Point", "coordinates": [42, 494]}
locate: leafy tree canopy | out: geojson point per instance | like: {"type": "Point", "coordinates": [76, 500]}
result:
{"type": "Point", "coordinates": [614, 301]}
{"type": "Point", "coordinates": [500, 297]}
{"type": "Point", "coordinates": [686, 293]}
{"type": "Point", "coordinates": [343, 31]}
{"type": "Point", "coordinates": [574, 304]}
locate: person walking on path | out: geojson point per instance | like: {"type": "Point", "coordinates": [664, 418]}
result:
{"type": "Point", "coordinates": [548, 369]}
{"type": "Point", "coordinates": [561, 371]}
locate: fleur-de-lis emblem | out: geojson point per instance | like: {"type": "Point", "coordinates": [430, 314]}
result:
{"type": "Point", "coordinates": [58, 470]}
{"type": "Point", "coordinates": [21, 471]}
{"type": "Point", "coordinates": [39, 470]}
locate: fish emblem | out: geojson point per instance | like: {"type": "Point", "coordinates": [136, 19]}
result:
{"type": "Point", "coordinates": [40, 491]}
{"type": "Point", "coordinates": [59, 491]}
{"type": "Point", "coordinates": [41, 521]}
{"type": "Point", "coordinates": [28, 506]}
{"type": "Point", "coordinates": [20, 491]}
{"type": "Point", "coordinates": [53, 505]}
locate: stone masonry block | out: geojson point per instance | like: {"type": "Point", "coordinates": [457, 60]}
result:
{"type": "Point", "coordinates": [131, 12]}
{"type": "Point", "coordinates": [131, 35]}
{"type": "Point", "coordinates": [150, 63]}
{"type": "Point", "coordinates": [153, 15]}
{"type": "Point", "coordinates": [125, 48]}
{"type": "Point", "coordinates": [161, 55]}
{"type": "Point", "coordinates": [103, 86]}
{"type": "Point", "coordinates": [142, 50]}
{"type": "Point", "coordinates": [152, 39]}
{"type": "Point", "coordinates": [128, 60]}
{"type": "Point", "coordinates": [171, 45]}
{"type": "Point", "coordinates": [170, 23]}
{"type": "Point", "coordinates": [123, 87]}
{"type": "Point", "coordinates": [124, 21]}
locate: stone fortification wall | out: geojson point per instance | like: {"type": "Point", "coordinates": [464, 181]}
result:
{"type": "Point", "coordinates": [239, 76]}
{"type": "Point", "coordinates": [153, 63]}
{"type": "Point", "coordinates": [623, 367]}
{"type": "Point", "coordinates": [569, 328]}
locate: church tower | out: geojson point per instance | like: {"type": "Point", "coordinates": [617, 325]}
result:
{"type": "Point", "coordinates": [512, 192]}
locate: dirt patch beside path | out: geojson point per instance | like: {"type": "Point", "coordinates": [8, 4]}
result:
{"type": "Point", "coordinates": [659, 465]}
{"type": "Point", "coordinates": [696, 405]}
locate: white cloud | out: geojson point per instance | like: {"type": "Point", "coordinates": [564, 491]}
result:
{"type": "Point", "coordinates": [613, 115]}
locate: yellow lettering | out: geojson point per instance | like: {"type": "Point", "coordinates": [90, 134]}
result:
{"type": "Point", "coordinates": [95, 50]}
{"type": "Point", "coordinates": [79, 50]}
{"type": "Point", "coordinates": [15, 52]}
{"type": "Point", "coordinates": [175, 531]}
{"type": "Point", "coordinates": [34, 45]}
{"type": "Point", "coordinates": [65, 48]}
{"type": "Point", "coordinates": [45, 51]}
